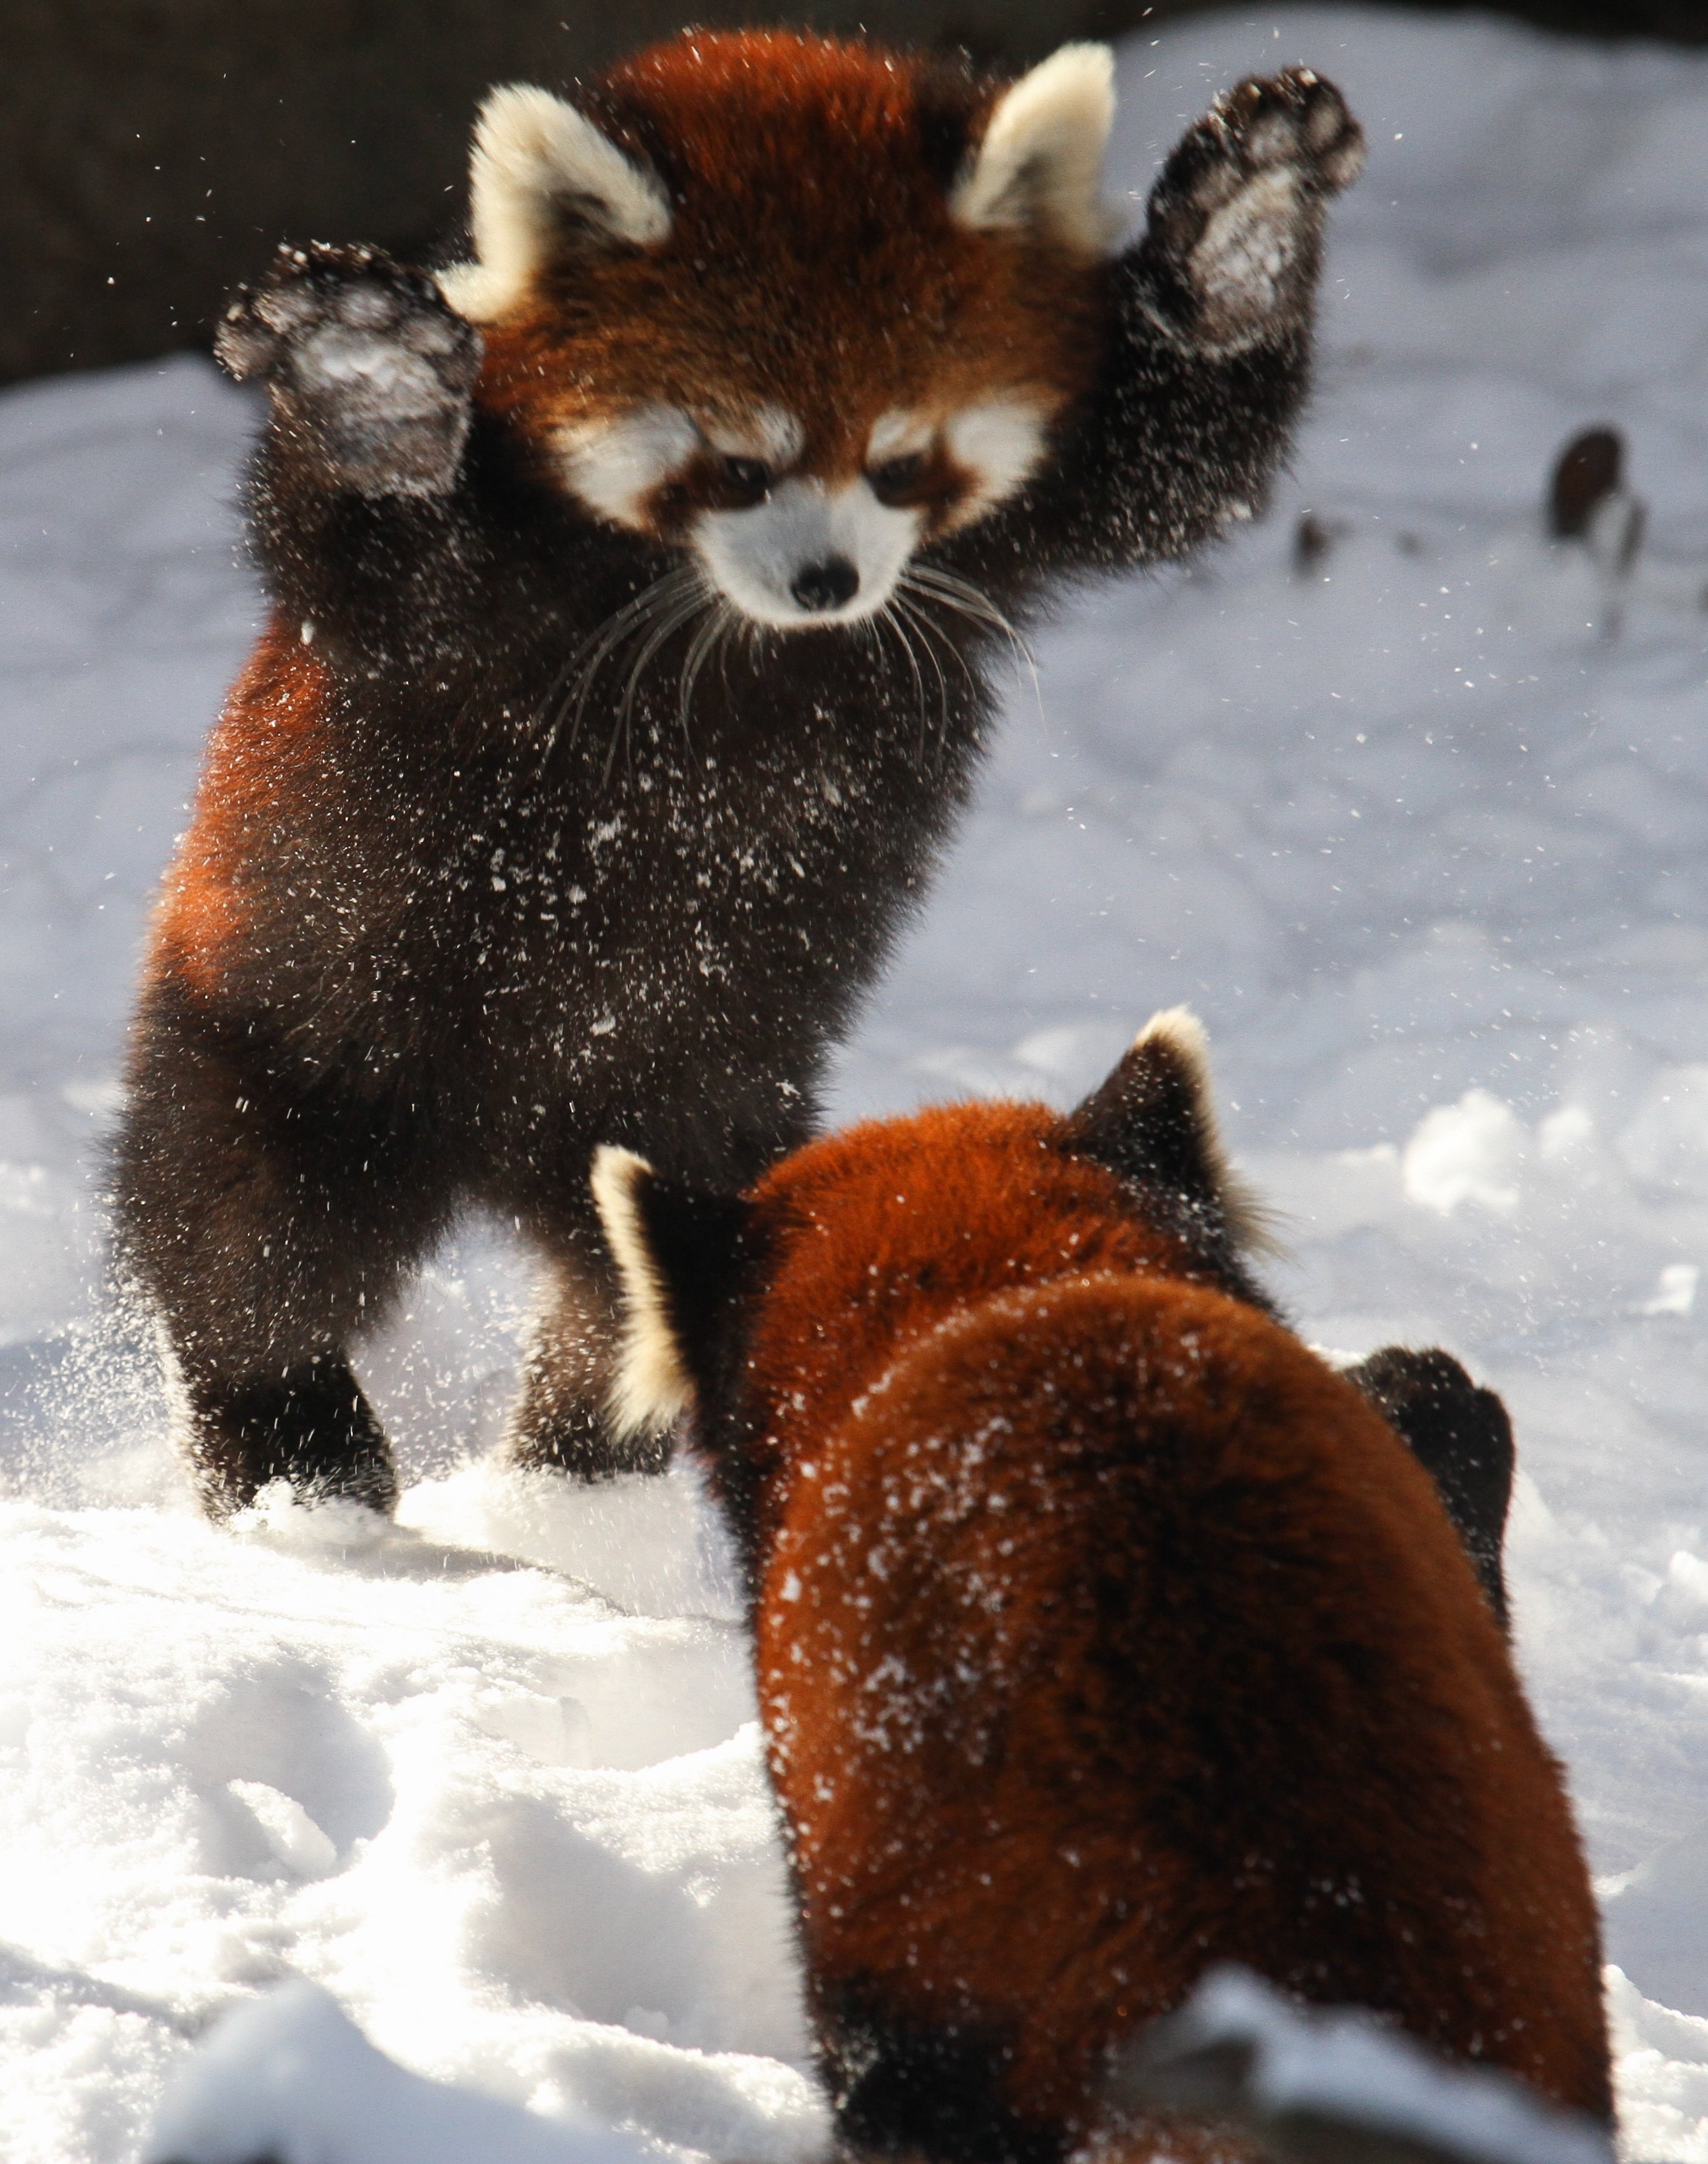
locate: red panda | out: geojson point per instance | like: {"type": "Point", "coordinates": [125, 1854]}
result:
{"type": "Point", "coordinates": [1103, 1633]}
{"type": "Point", "coordinates": [637, 585]}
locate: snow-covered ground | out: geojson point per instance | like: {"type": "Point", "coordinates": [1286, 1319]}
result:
{"type": "Point", "coordinates": [1423, 835]}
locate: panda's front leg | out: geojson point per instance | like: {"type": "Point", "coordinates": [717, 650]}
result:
{"type": "Point", "coordinates": [1462, 1437]}
{"type": "Point", "coordinates": [1207, 358]}
{"type": "Point", "coordinates": [1233, 234]}
{"type": "Point", "coordinates": [370, 375]}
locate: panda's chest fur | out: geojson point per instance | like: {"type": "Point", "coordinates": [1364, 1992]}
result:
{"type": "Point", "coordinates": [680, 892]}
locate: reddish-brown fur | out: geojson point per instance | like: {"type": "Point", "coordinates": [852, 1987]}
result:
{"type": "Point", "coordinates": [261, 757]}
{"type": "Point", "coordinates": [796, 166]}
{"type": "Point", "coordinates": [1105, 1633]}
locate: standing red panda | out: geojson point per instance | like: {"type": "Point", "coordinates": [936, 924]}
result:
{"type": "Point", "coordinates": [635, 588]}
{"type": "Point", "coordinates": [1103, 1633]}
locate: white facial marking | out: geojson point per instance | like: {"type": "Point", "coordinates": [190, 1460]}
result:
{"type": "Point", "coordinates": [1040, 163]}
{"type": "Point", "coordinates": [771, 435]}
{"type": "Point", "coordinates": [542, 178]}
{"type": "Point", "coordinates": [760, 556]}
{"type": "Point", "coordinates": [999, 442]}
{"type": "Point", "coordinates": [802, 545]}
{"type": "Point", "coordinates": [614, 465]}
{"type": "Point", "coordinates": [898, 434]}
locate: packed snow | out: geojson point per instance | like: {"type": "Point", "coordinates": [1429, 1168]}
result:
{"type": "Point", "coordinates": [1416, 818]}
{"type": "Point", "coordinates": [1313, 2083]}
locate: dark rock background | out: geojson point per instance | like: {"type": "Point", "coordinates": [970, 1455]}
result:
{"type": "Point", "coordinates": [153, 151]}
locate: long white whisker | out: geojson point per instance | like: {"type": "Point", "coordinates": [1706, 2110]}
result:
{"type": "Point", "coordinates": [590, 657]}
{"type": "Point", "coordinates": [972, 600]}
{"type": "Point", "coordinates": [683, 611]}
{"type": "Point", "coordinates": [577, 680]}
{"type": "Point", "coordinates": [699, 648]}
{"type": "Point", "coordinates": [932, 583]}
{"type": "Point", "coordinates": [935, 634]}
{"type": "Point", "coordinates": [731, 626]}
{"type": "Point", "coordinates": [891, 619]}
{"type": "Point", "coordinates": [925, 600]}
{"type": "Point", "coordinates": [658, 599]}
{"type": "Point", "coordinates": [672, 620]}
{"type": "Point", "coordinates": [919, 623]}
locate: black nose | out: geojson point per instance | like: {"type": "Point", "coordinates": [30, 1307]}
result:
{"type": "Point", "coordinates": [826, 586]}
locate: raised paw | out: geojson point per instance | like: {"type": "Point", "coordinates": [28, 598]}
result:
{"type": "Point", "coordinates": [1235, 225]}
{"type": "Point", "coordinates": [1461, 1435]}
{"type": "Point", "coordinates": [369, 373]}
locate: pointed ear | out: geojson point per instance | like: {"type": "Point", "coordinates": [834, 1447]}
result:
{"type": "Point", "coordinates": [1152, 1122]}
{"type": "Point", "coordinates": [680, 1253]}
{"type": "Point", "coordinates": [544, 183]}
{"type": "Point", "coordinates": [1040, 165]}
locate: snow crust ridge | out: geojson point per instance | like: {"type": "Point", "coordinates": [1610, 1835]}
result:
{"type": "Point", "coordinates": [291, 2078]}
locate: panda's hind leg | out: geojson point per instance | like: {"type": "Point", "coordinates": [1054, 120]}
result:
{"type": "Point", "coordinates": [265, 1226]}
{"type": "Point", "coordinates": [561, 1422]}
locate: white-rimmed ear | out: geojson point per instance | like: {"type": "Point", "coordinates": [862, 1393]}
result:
{"type": "Point", "coordinates": [1040, 162]}
{"type": "Point", "coordinates": [1153, 1122]}
{"type": "Point", "coordinates": [652, 1385]}
{"type": "Point", "coordinates": [544, 183]}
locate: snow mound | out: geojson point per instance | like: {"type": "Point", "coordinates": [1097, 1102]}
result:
{"type": "Point", "coordinates": [1319, 2084]}
{"type": "Point", "coordinates": [289, 2077]}
{"type": "Point", "coordinates": [1409, 803]}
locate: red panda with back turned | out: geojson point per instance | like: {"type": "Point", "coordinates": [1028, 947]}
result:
{"type": "Point", "coordinates": [636, 586]}
{"type": "Point", "coordinates": [1103, 1633]}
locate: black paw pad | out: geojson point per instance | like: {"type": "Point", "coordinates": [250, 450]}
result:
{"type": "Point", "coordinates": [1236, 219]}
{"type": "Point", "coordinates": [370, 372]}
{"type": "Point", "coordinates": [1294, 119]}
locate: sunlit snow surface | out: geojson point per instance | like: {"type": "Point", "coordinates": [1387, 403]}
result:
{"type": "Point", "coordinates": [1422, 836]}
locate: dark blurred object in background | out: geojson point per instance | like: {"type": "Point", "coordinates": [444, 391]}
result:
{"type": "Point", "coordinates": [153, 151]}
{"type": "Point", "coordinates": [1586, 473]}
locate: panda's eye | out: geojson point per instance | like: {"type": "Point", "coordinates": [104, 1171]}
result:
{"type": "Point", "coordinates": [896, 480]}
{"type": "Point", "coordinates": [745, 480]}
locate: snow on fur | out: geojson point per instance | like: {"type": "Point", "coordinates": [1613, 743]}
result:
{"type": "Point", "coordinates": [1420, 830]}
